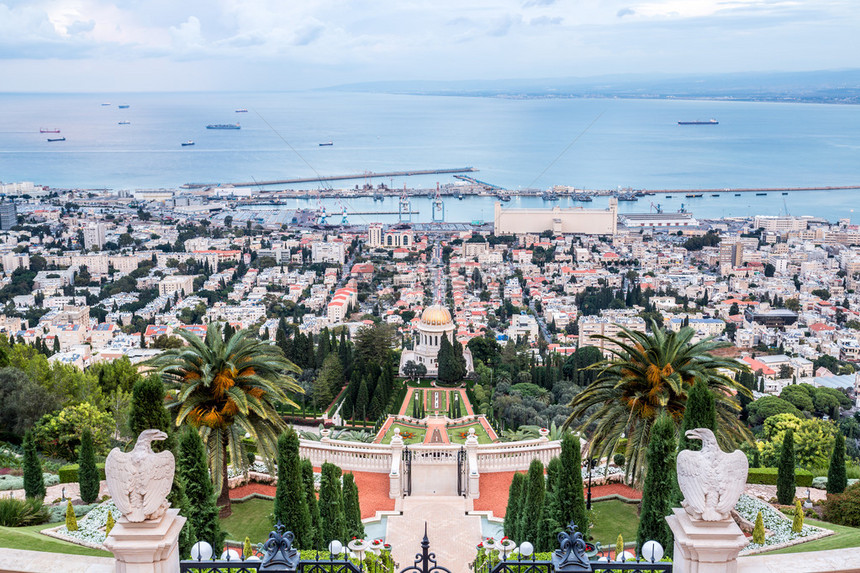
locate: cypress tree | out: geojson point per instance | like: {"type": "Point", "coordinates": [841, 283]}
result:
{"type": "Point", "coordinates": [291, 508]}
{"type": "Point", "coordinates": [351, 508]}
{"type": "Point", "coordinates": [658, 487]}
{"type": "Point", "coordinates": [88, 474]}
{"type": "Point", "coordinates": [147, 412]}
{"type": "Point", "coordinates": [34, 482]}
{"type": "Point", "coordinates": [332, 516]}
{"type": "Point", "coordinates": [836, 478]}
{"type": "Point", "coordinates": [512, 512]}
{"type": "Point", "coordinates": [445, 362]}
{"type": "Point", "coordinates": [535, 492]}
{"type": "Point", "coordinates": [700, 412]}
{"type": "Point", "coordinates": [785, 470]}
{"type": "Point", "coordinates": [362, 401]}
{"type": "Point", "coordinates": [311, 499]}
{"type": "Point", "coordinates": [194, 472]}
{"type": "Point", "coordinates": [571, 500]}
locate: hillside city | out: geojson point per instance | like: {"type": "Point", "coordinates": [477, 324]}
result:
{"type": "Point", "coordinates": [491, 346]}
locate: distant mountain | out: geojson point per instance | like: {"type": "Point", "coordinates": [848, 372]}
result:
{"type": "Point", "coordinates": [828, 86]}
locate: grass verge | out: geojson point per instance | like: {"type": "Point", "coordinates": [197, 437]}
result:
{"type": "Point", "coordinates": [29, 538]}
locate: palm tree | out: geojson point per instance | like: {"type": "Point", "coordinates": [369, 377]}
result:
{"type": "Point", "coordinates": [650, 374]}
{"type": "Point", "coordinates": [227, 390]}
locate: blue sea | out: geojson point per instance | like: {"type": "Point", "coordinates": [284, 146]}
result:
{"type": "Point", "coordinates": [515, 143]}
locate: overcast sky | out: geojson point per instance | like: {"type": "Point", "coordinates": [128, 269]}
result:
{"type": "Point", "coordinates": [166, 45]}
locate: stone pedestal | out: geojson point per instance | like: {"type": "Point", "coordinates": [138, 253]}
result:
{"type": "Point", "coordinates": [148, 546]}
{"type": "Point", "coordinates": [705, 546]}
{"type": "Point", "coordinates": [395, 486]}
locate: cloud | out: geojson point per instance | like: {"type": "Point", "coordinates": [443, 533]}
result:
{"type": "Point", "coordinates": [78, 27]}
{"type": "Point", "coordinates": [188, 34]}
{"type": "Point", "coordinates": [625, 12]}
{"type": "Point", "coordinates": [546, 21]}
{"type": "Point", "coordinates": [308, 34]}
{"type": "Point", "coordinates": [530, 3]}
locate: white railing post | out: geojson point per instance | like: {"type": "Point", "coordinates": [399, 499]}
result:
{"type": "Point", "coordinates": [474, 478]}
{"type": "Point", "coordinates": [395, 487]}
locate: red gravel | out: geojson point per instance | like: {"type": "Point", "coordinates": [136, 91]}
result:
{"type": "Point", "coordinates": [372, 492]}
{"type": "Point", "coordinates": [494, 492]}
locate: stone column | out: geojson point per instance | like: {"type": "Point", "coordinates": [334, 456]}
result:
{"type": "Point", "coordinates": [705, 546]}
{"type": "Point", "coordinates": [472, 465]}
{"type": "Point", "coordinates": [148, 546]}
{"type": "Point", "coordinates": [395, 488]}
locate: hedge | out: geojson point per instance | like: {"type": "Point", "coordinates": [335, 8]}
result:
{"type": "Point", "coordinates": [69, 473]}
{"type": "Point", "coordinates": [767, 476]}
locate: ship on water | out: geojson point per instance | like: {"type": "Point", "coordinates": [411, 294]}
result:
{"type": "Point", "coordinates": [56, 139]}
{"type": "Point", "coordinates": [223, 126]}
{"type": "Point", "coordinates": [326, 144]}
{"type": "Point", "coordinates": [709, 122]}
{"type": "Point", "coordinates": [43, 130]}
{"type": "Point", "coordinates": [123, 106]}
{"type": "Point", "coordinates": [187, 143]}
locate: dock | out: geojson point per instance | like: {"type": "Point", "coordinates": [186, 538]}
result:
{"type": "Point", "coordinates": [365, 175]}
{"type": "Point", "coordinates": [757, 189]}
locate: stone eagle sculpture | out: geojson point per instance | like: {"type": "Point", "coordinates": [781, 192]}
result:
{"type": "Point", "coordinates": [711, 480]}
{"type": "Point", "coordinates": [139, 481]}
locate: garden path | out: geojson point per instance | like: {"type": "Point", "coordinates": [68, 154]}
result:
{"type": "Point", "coordinates": [55, 492]}
{"type": "Point", "coordinates": [437, 433]}
{"type": "Point", "coordinates": [453, 534]}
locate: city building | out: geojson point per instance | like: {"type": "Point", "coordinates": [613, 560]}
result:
{"type": "Point", "coordinates": [94, 235]}
{"type": "Point", "coordinates": [558, 220]}
{"type": "Point", "coordinates": [183, 284]}
{"type": "Point", "coordinates": [8, 215]}
{"type": "Point", "coordinates": [435, 323]}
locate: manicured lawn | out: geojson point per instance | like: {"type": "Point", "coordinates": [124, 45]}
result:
{"type": "Point", "coordinates": [612, 518]}
{"type": "Point", "coordinates": [417, 434]}
{"type": "Point", "coordinates": [844, 537]}
{"type": "Point", "coordinates": [29, 538]}
{"type": "Point", "coordinates": [250, 518]}
{"type": "Point", "coordinates": [454, 434]}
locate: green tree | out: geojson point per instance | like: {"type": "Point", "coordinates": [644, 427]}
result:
{"type": "Point", "coordinates": [837, 480]}
{"type": "Point", "coordinates": [657, 492]}
{"type": "Point", "coordinates": [531, 511]}
{"type": "Point", "coordinates": [797, 522]}
{"type": "Point", "coordinates": [228, 389]}
{"type": "Point", "coordinates": [768, 406]}
{"type": "Point", "coordinates": [329, 381]}
{"type": "Point", "coordinates": [313, 506]}
{"type": "Point", "coordinates": [446, 361]}
{"type": "Point", "coordinates": [88, 474]}
{"type": "Point", "coordinates": [699, 413]}
{"type": "Point", "coordinates": [758, 530]}
{"type": "Point", "coordinates": [194, 471]}
{"type": "Point", "coordinates": [652, 374]}
{"type": "Point", "coordinates": [351, 508]}
{"type": "Point", "coordinates": [785, 470]}
{"type": "Point", "coordinates": [291, 508]}
{"type": "Point", "coordinates": [813, 440]}
{"type": "Point", "coordinates": [362, 402]}
{"type": "Point", "coordinates": [570, 498]}
{"type": "Point", "coordinates": [34, 482]}
{"type": "Point", "coordinates": [332, 515]}
{"type": "Point", "coordinates": [512, 512]}
{"type": "Point", "coordinates": [59, 434]}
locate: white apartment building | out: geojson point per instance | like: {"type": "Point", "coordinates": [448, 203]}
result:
{"type": "Point", "coordinates": [13, 261]}
{"type": "Point", "coordinates": [94, 235]}
{"type": "Point", "coordinates": [183, 284]}
{"type": "Point", "coordinates": [327, 252]}
{"type": "Point", "coordinates": [592, 326]}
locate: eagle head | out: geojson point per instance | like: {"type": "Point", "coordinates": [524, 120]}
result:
{"type": "Point", "coordinates": [704, 434]}
{"type": "Point", "coordinates": [149, 436]}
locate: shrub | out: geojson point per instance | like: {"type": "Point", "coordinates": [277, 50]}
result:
{"type": "Point", "coordinates": [767, 476]}
{"type": "Point", "coordinates": [797, 522]}
{"type": "Point", "coordinates": [837, 479]}
{"type": "Point", "coordinates": [10, 482]}
{"type": "Point", "coordinates": [57, 513]}
{"type": "Point", "coordinates": [71, 520]}
{"type": "Point", "coordinates": [618, 460]}
{"type": "Point", "coordinates": [34, 481]}
{"type": "Point", "coordinates": [844, 508]}
{"type": "Point", "coordinates": [785, 480]}
{"type": "Point", "coordinates": [109, 523]}
{"type": "Point", "coordinates": [758, 530]}
{"type": "Point", "coordinates": [819, 482]}
{"type": "Point", "coordinates": [18, 512]}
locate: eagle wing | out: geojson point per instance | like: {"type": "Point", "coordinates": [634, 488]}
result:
{"type": "Point", "coordinates": [735, 468]}
{"type": "Point", "coordinates": [158, 470]}
{"type": "Point", "coordinates": [691, 475]}
{"type": "Point", "coordinates": [119, 469]}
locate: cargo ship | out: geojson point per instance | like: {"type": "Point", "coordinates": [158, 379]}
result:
{"type": "Point", "coordinates": [327, 144]}
{"type": "Point", "coordinates": [709, 122]}
{"type": "Point", "coordinates": [56, 139]}
{"type": "Point", "coordinates": [123, 106]}
{"type": "Point", "coordinates": [242, 110]}
{"type": "Point", "coordinates": [43, 130]}
{"type": "Point", "coordinates": [223, 126]}
{"type": "Point", "coordinates": [124, 123]}
{"type": "Point", "coordinates": [187, 143]}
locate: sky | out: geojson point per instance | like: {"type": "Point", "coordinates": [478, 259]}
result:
{"type": "Point", "coordinates": [180, 45]}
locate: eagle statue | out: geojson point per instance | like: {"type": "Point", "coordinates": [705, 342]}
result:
{"type": "Point", "coordinates": [711, 480]}
{"type": "Point", "coordinates": [140, 480]}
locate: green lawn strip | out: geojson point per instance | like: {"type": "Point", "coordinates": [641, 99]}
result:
{"type": "Point", "coordinates": [480, 432]}
{"type": "Point", "coordinates": [612, 518]}
{"type": "Point", "coordinates": [29, 538]}
{"type": "Point", "coordinates": [844, 537]}
{"type": "Point", "coordinates": [417, 430]}
{"type": "Point", "coordinates": [250, 518]}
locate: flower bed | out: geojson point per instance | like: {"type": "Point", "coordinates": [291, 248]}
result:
{"type": "Point", "coordinates": [778, 525]}
{"type": "Point", "coordinates": [91, 529]}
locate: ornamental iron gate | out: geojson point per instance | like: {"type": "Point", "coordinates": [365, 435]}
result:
{"type": "Point", "coordinates": [462, 484]}
{"type": "Point", "coordinates": [407, 471]}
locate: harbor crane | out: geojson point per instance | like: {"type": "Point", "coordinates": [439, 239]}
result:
{"type": "Point", "coordinates": [438, 214]}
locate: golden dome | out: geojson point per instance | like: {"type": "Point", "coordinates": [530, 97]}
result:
{"type": "Point", "coordinates": [436, 315]}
